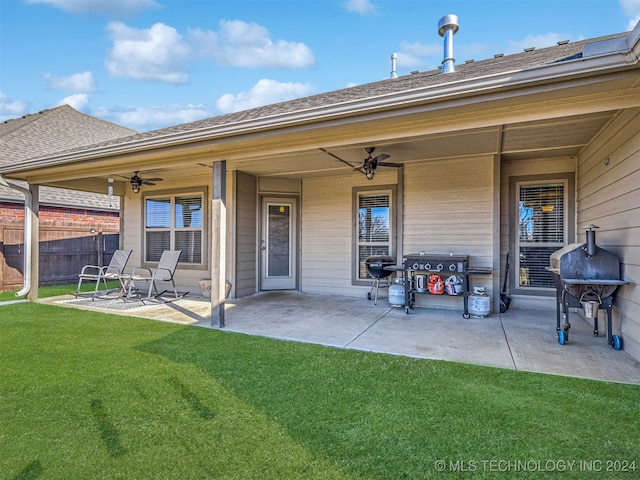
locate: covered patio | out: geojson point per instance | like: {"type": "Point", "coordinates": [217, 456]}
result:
{"type": "Point", "coordinates": [520, 339]}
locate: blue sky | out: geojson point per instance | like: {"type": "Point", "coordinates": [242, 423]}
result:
{"type": "Point", "coordinates": [148, 64]}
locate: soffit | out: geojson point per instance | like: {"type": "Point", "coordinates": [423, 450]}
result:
{"type": "Point", "coordinates": [554, 138]}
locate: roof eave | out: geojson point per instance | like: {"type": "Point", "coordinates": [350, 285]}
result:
{"type": "Point", "coordinates": [500, 83]}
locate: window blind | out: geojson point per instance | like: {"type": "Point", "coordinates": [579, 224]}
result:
{"type": "Point", "coordinates": [174, 223]}
{"type": "Point", "coordinates": [541, 231]}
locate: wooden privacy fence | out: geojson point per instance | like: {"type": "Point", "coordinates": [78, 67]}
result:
{"type": "Point", "coordinates": [63, 253]}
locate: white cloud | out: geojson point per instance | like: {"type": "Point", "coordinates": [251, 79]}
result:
{"type": "Point", "coordinates": [151, 118]}
{"type": "Point", "coordinates": [414, 55]}
{"type": "Point", "coordinates": [10, 108]}
{"type": "Point", "coordinates": [79, 101]}
{"type": "Point", "coordinates": [363, 7]}
{"type": "Point", "coordinates": [631, 8]}
{"type": "Point", "coordinates": [161, 54]}
{"type": "Point", "coordinates": [78, 82]}
{"type": "Point", "coordinates": [265, 92]}
{"type": "Point", "coordinates": [115, 8]}
{"type": "Point", "coordinates": [155, 54]}
{"type": "Point", "coordinates": [248, 45]}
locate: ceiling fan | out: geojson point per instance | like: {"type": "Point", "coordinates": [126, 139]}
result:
{"type": "Point", "coordinates": [137, 182]}
{"type": "Point", "coordinates": [370, 163]}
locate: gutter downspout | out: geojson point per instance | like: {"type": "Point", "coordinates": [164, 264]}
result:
{"type": "Point", "coordinates": [28, 229]}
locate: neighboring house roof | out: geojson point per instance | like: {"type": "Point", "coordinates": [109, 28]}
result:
{"type": "Point", "coordinates": [50, 131]}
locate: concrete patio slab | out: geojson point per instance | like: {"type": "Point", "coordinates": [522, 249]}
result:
{"type": "Point", "coordinates": [518, 339]}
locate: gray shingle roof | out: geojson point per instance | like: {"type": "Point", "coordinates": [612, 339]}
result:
{"type": "Point", "coordinates": [50, 131]}
{"type": "Point", "coordinates": [418, 82]}
{"type": "Point", "coordinates": [407, 83]}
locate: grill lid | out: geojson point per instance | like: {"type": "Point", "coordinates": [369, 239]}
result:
{"type": "Point", "coordinates": [585, 263]}
{"type": "Point", "coordinates": [573, 262]}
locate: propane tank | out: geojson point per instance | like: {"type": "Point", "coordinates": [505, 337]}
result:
{"type": "Point", "coordinates": [479, 302]}
{"type": "Point", "coordinates": [396, 293]}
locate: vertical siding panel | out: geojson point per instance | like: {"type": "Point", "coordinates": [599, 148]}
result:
{"type": "Point", "coordinates": [326, 225]}
{"type": "Point", "coordinates": [246, 234]}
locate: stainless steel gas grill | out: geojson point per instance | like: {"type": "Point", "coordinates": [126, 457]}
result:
{"type": "Point", "coordinates": [417, 268]}
{"type": "Point", "coordinates": [586, 276]}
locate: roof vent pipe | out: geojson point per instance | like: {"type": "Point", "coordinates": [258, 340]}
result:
{"type": "Point", "coordinates": [447, 27]}
{"type": "Point", "coordinates": [394, 57]}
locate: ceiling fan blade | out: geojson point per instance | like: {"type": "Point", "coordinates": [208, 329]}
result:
{"type": "Point", "coordinates": [147, 182]}
{"type": "Point", "coordinates": [385, 164]}
{"type": "Point", "coordinates": [156, 179]}
{"type": "Point", "coordinates": [338, 158]}
{"type": "Point", "coordinates": [381, 158]}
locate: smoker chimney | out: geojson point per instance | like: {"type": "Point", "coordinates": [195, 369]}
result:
{"type": "Point", "coordinates": [447, 27]}
{"type": "Point", "coordinates": [591, 240]}
{"type": "Point", "coordinates": [394, 57]}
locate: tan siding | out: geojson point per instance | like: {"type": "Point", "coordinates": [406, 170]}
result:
{"type": "Point", "coordinates": [246, 234]}
{"type": "Point", "coordinates": [448, 208]}
{"type": "Point", "coordinates": [326, 225]}
{"type": "Point", "coordinates": [278, 185]}
{"type": "Point", "coordinates": [608, 195]}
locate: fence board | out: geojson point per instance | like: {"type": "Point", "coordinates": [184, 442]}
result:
{"type": "Point", "coordinates": [62, 255]}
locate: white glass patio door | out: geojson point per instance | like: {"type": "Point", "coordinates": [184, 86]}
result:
{"type": "Point", "coordinates": [278, 244]}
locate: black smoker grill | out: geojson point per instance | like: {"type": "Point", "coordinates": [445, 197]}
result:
{"type": "Point", "coordinates": [380, 268]}
{"type": "Point", "coordinates": [585, 276]}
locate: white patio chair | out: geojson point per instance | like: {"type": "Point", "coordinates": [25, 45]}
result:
{"type": "Point", "coordinates": [98, 274]}
{"type": "Point", "coordinates": [164, 272]}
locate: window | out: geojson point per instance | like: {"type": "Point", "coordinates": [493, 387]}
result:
{"type": "Point", "coordinates": [374, 233]}
{"type": "Point", "coordinates": [542, 229]}
{"type": "Point", "coordinates": [174, 222]}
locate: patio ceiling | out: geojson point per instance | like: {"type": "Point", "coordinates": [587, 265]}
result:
{"type": "Point", "coordinates": [553, 138]}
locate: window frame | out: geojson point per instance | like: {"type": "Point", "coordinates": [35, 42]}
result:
{"type": "Point", "coordinates": [390, 190]}
{"type": "Point", "coordinates": [172, 195]}
{"type": "Point", "coordinates": [568, 181]}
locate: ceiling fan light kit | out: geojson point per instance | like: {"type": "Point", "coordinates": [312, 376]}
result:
{"type": "Point", "coordinates": [137, 182]}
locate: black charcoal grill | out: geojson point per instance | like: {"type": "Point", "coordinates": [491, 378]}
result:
{"type": "Point", "coordinates": [586, 276]}
{"type": "Point", "coordinates": [379, 268]}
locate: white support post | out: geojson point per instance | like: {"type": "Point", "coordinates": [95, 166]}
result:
{"type": "Point", "coordinates": [33, 211]}
{"type": "Point", "coordinates": [218, 244]}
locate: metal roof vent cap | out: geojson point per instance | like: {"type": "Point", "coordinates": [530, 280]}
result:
{"type": "Point", "coordinates": [447, 27]}
{"type": "Point", "coordinates": [394, 58]}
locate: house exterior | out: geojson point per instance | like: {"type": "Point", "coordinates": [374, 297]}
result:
{"type": "Point", "coordinates": [508, 155]}
{"type": "Point", "coordinates": [71, 222]}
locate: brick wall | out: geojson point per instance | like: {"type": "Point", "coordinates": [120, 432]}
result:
{"type": "Point", "coordinates": [64, 216]}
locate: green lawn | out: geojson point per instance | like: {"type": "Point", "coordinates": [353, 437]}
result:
{"type": "Point", "coordinates": [54, 291]}
{"type": "Point", "coordinates": [98, 396]}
